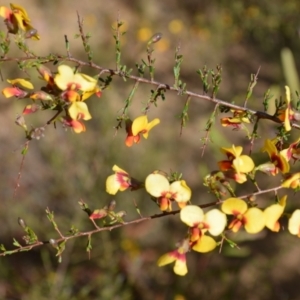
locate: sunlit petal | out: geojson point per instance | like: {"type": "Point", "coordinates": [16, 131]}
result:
{"type": "Point", "coordinates": [255, 220]}
{"type": "Point", "coordinates": [156, 184]}
{"type": "Point", "coordinates": [216, 221]}
{"type": "Point", "coordinates": [182, 192]}
{"type": "Point", "coordinates": [234, 205]}
{"type": "Point", "coordinates": [191, 215]}
{"type": "Point", "coordinates": [294, 223]}
{"type": "Point", "coordinates": [205, 244]}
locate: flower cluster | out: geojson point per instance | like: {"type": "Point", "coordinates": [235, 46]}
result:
{"type": "Point", "coordinates": [213, 222]}
{"type": "Point", "coordinates": [65, 91]}
{"type": "Point", "coordinates": [204, 227]}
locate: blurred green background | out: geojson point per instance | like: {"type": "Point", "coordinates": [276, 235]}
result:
{"type": "Point", "coordinates": [63, 167]}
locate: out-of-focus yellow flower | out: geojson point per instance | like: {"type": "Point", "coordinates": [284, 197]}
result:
{"type": "Point", "coordinates": [178, 256]}
{"type": "Point", "coordinates": [17, 18]}
{"type": "Point", "coordinates": [287, 114]}
{"type": "Point", "coordinates": [120, 181]}
{"type": "Point", "coordinates": [294, 223]}
{"type": "Point", "coordinates": [175, 26]}
{"type": "Point", "coordinates": [144, 34]}
{"type": "Point", "coordinates": [292, 181]}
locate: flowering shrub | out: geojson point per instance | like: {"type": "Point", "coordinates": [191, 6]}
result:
{"type": "Point", "coordinates": [65, 93]}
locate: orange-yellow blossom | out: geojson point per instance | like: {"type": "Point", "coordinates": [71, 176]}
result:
{"type": "Point", "coordinates": [178, 256]}
{"type": "Point", "coordinates": [239, 117]}
{"type": "Point", "coordinates": [121, 181]}
{"type": "Point", "coordinates": [159, 187]}
{"type": "Point", "coordinates": [236, 161]}
{"type": "Point", "coordinates": [140, 125]}
{"type": "Point", "coordinates": [277, 159]}
{"type": "Point", "coordinates": [76, 125]}
{"type": "Point", "coordinates": [15, 90]}
{"type": "Point", "coordinates": [214, 221]}
{"type": "Point", "coordinates": [251, 218]}
{"type": "Point", "coordinates": [66, 79]}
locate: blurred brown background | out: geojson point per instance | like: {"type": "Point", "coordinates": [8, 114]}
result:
{"type": "Point", "coordinates": [63, 167]}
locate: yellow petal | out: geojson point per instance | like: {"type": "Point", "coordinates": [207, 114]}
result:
{"type": "Point", "coordinates": [243, 164]}
{"type": "Point", "coordinates": [255, 220]}
{"type": "Point", "coordinates": [216, 221]}
{"type": "Point", "coordinates": [88, 78]}
{"type": "Point", "coordinates": [183, 192]}
{"type": "Point", "coordinates": [150, 126]}
{"type": "Point", "coordinates": [156, 184]}
{"type": "Point", "coordinates": [287, 123]}
{"type": "Point", "coordinates": [115, 168]}
{"type": "Point", "coordinates": [112, 185]}
{"type": "Point", "coordinates": [5, 12]}
{"type": "Point", "coordinates": [166, 259]}
{"type": "Point", "coordinates": [273, 213]}
{"type": "Point", "coordinates": [292, 181]}
{"type": "Point", "coordinates": [21, 10]}
{"type": "Point", "coordinates": [294, 223]}
{"type": "Point", "coordinates": [180, 267]}
{"type": "Point", "coordinates": [139, 124]}
{"type": "Point", "coordinates": [233, 151]}
{"type": "Point", "coordinates": [25, 83]}
{"type": "Point", "coordinates": [64, 76]}
{"type": "Point", "coordinates": [86, 82]}
{"type": "Point", "coordinates": [269, 147]}
{"type": "Point", "coordinates": [191, 215]}
{"type": "Point", "coordinates": [79, 110]}
{"type": "Point", "coordinates": [234, 205]}
{"type": "Point", "coordinates": [283, 164]}
{"type": "Point", "coordinates": [205, 244]}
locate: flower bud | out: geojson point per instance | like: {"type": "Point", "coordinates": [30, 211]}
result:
{"type": "Point", "coordinates": [112, 205]}
{"type": "Point", "coordinates": [22, 223]}
{"type": "Point", "coordinates": [30, 33]}
{"type": "Point", "coordinates": [20, 121]}
{"type": "Point", "coordinates": [53, 243]}
{"type": "Point", "coordinates": [155, 38]}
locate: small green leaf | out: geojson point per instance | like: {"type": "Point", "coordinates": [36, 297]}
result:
{"type": "Point", "coordinates": [16, 243]}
